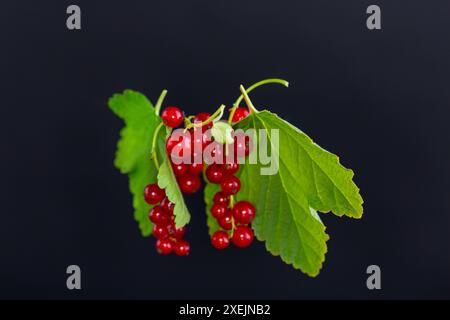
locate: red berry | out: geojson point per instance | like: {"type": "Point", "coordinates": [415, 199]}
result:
{"type": "Point", "coordinates": [153, 194]}
{"type": "Point", "coordinates": [182, 248]}
{"type": "Point", "coordinates": [231, 168]}
{"type": "Point", "coordinates": [221, 198]}
{"type": "Point", "coordinates": [164, 246]}
{"type": "Point", "coordinates": [203, 116]}
{"type": "Point", "coordinates": [172, 116]}
{"type": "Point", "coordinates": [189, 183]}
{"type": "Point", "coordinates": [167, 205]}
{"type": "Point", "coordinates": [214, 173]}
{"type": "Point", "coordinates": [244, 212]}
{"type": "Point", "coordinates": [179, 233]}
{"type": "Point", "coordinates": [183, 144]}
{"type": "Point", "coordinates": [158, 216]}
{"type": "Point", "coordinates": [160, 231]}
{"type": "Point", "coordinates": [199, 140]}
{"type": "Point", "coordinates": [242, 236]}
{"type": "Point", "coordinates": [179, 169]}
{"type": "Point", "coordinates": [220, 240]}
{"type": "Point", "coordinates": [230, 184]}
{"type": "Point", "coordinates": [225, 222]}
{"type": "Point", "coordinates": [195, 168]}
{"type": "Point", "coordinates": [242, 145]}
{"type": "Point", "coordinates": [215, 153]}
{"type": "Point", "coordinates": [218, 210]}
{"type": "Point", "coordinates": [171, 228]}
{"type": "Point", "coordinates": [239, 114]}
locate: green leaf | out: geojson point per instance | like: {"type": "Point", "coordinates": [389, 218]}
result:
{"type": "Point", "coordinates": [167, 181]}
{"type": "Point", "coordinates": [309, 178]}
{"type": "Point", "coordinates": [222, 132]}
{"type": "Point", "coordinates": [134, 148]}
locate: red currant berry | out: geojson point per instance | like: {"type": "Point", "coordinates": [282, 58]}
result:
{"type": "Point", "coordinates": [221, 198]}
{"type": "Point", "coordinates": [153, 194]}
{"type": "Point", "coordinates": [183, 143]}
{"type": "Point", "coordinates": [239, 114]}
{"type": "Point", "coordinates": [189, 183]}
{"type": "Point", "coordinates": [220, 240]}
{"type": "Point", "coordinates": [158, 216]}
{"type": "Point", "coordinates": [167, 205]}
{"type": "Point", "coordinates": [164, 246]}
{"type": "Point", "coordinates": [179, 169]}
{"type": "Point", "coordinates": [242, 236]}
{"type": "Point", "coordinates": [215, 153]}
{"type": "Point", "coordinates": [244, 212]}
{"type": "Point", "coordinates": [179, 233]}
{"type": "Point", "coordinates": [182, 248]}
{"type": "Point", "coordinates": [199, 139]}
{"type": "Point", "coordinates": [195, 168]}
{"type": "Point", "coordinates": [242, 145]}
{"type": "Point", "coordinates": [230, 184]}
{"type": "Point", "coordinates": [214, 173]}
{"type": "Point", "coordinates": [225, 222]}
{"type": "Point", "coordinates": [231, 168]}
{"type": "Point", "coordinates": [201, 117]}
{"type": "Point", "coordinates": [172, 116]}
{"type": "Point", "coordinates": [218, 210]}
{"type": "Point", "coordinates": [171, 228]}
{"type": "Point", "coordinates": [160, 231]}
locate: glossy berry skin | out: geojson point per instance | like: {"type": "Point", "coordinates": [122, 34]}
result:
{"type": "Point", "coordinates": [240, 114]}
{"type": "Point", "coordinates": [160, 231]}
{"type": "Point", "coordinates": [183, 143]}
{"type": "Point", "coordinates": [203, 116]}
{"type": "Point", "coordinates": [242, 145]}
{"type": "Point", "coordinates": [179, 233]}
{"type": "Point", "coordinates": [167, 205]}
{"type": "Point", "coordinates": [195, 168]}
{"type": "Point", "coordinates": [218, 211]}
{"type": "Point", "coordinates": [182, 248]}
{"type": "Point", "coordinates": [231, 168]}
{"type": "Point", "coordinates": [179, 169]}
{"type": "Point", "coordinates": [225, 222]}
{"type": "Point", "coordinates": [172, 117]}
{"type": "Point", "coordinates": [153, 194]}
{"type": "Point", "coordinates": [164, 246]}
{"type": "Point", "coordinates": [215, 153]}
{"type": "Point", "coordinates": [220, 240]}
{"type": "Point", "coordinates": [221, 198]}
{"type": "Point", "coordinates": [189, 183]}
{"type": "Point", "coordinates": [199, 139]}
{"type": "Point", "coordinates": [230, 185]}
{"type": "Point", "coordinates": [243, 212]}
{"type": "Point", "coordinates": [158, 216]}
{"type": "Point", "coordinates": [214, 173]}
{"type": "Point", "coordinates": [242, 236]}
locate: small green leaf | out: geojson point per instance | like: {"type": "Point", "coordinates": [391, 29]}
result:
{"type": "Point", "coordinates": [133, 148]}
{"type": "Point", "coordinates": [167, 181]}
{"type": "Point", "coordinates": [222, 132]}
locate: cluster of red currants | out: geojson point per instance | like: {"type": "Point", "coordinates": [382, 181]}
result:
{"type": "Point", "coordinates": [233, 219]}
{"type": "Point", "coordinates": [170, 238]}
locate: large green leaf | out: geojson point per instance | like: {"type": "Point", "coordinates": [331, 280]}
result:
{"type": "Point", "coordinates": [134, 148]}
{"type": "Point", "coordinates": [308, 178]}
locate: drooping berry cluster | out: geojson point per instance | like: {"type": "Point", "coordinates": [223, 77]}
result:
{"type": "Point", "coordinates": [233, 218]}
{"type": "Point", "coordinates": [169, 238]}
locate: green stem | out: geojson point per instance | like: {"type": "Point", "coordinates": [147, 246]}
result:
{"type": "Point", "coordinates": [160, 101]}
{"type": "Point", "coordinates": [249, 103]}
{"type": "Point", "coordinates": [154, 156]}
{"type": "Point", "coordinates": [217, 115]}
{"type": "Point", "coordinates": [251, 88]}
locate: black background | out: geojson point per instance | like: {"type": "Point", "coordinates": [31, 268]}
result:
{"type": "Point", "coordinates": [379, 99]}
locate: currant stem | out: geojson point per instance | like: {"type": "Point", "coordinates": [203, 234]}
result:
{"type": "Point", "coordinates": [249, 103]}
{"type": "Point", "coordinates": [160, 101]}
{"type": "Point", "coordinates": [254, 86]}
{"type": "Point", "coordinates": [217, 115]}
{"type": "Point", "coordinates": [153, 154]}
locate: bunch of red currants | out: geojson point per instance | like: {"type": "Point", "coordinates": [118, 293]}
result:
{"type": "Point", "coordinates": [233, 218]}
